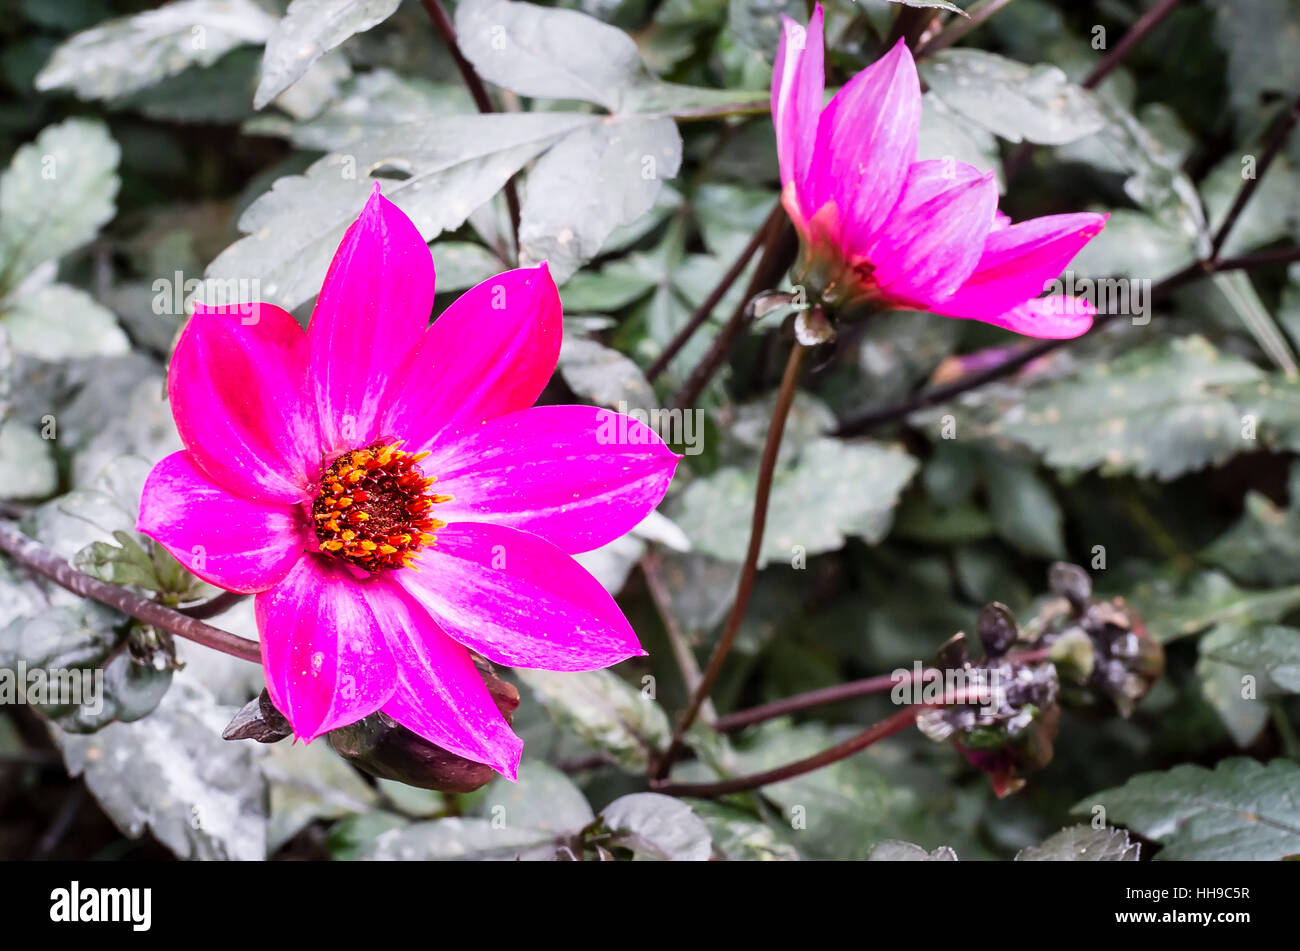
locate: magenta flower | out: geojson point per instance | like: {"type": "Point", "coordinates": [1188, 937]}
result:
{"type": "Point", "coordinates": [391, 495]}
{"type": "Point", "coordinates": [881, 230]}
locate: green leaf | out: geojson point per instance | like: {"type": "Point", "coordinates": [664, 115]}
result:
{"type": "Point", "coordinates": [596, 179]}
{"type": "Point", "coordinates": [603, 711]}
{"type": "Point", "coordinates": [1206, 599]}
{"type": "Point", "coordinates": [603, 376]}
{"type": "Point", "coordinates": [1023, 507]}
{"type": "Point", "coordinates": [201, 796]}
{"type": "Point", "coordinates": [55, 195]}
{"type": "Point", "coordinates": [548, 54]}
{"type": "Point", "coordinates": [1161, 410]}
{"type": "Point", "coordinates": [124, 563]}
{"type": "Point", "coordinates": [1017, 102]}
{"type": "Point", "coordinates": [1270, 653]}
{"type": "Point", "coordinates": [1229, 689]}
{"type": "Point", "coordinates": [945, 134]}
{"type": "Point", "coordinates": [462, 264]}
{"type": "Point", "coordinates": [1083, 844]}
{"type": "Point", "coordinates": [833, 489]}
{"type": "Point", "coordinates": [59, 322]}
{"type": "Point", "coordinates": [453, 166]}
{"type": "Point", "coordinates": [1258, 36]}
{"type": "Point", "coordinates": [124, 55]}
{"type": "Point", "coordinates": [1263, 547]}
{"type": "Point", "coordinates": [1242, 810]}
{"type": "Point", "coordinates": [739, 837]}
{"type": "Point", "coordinates": [657, 827]}
{"type": "Point", "coordinates": [309, 29]}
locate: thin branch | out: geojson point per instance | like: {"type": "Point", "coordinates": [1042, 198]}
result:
{"type": "Point", "coordinates": [960, 26]}
{"type": "Point", "coordinates": [218, 604]}
{"type": "Point", "coordinates": [442, 23]}
{"type": "Point", "coordinates": [715, 296]}
{"type": "Point", "coordinates": [1277, 138]}
{"type": "Point", "coordinates": [778, 253]}
{"type": "Point", "coordinates": [854, 744]}
{"type": "Point", "coordinates": [1274, 256]}
{"type": "Point", "coordinates": [846, 691]}
{"type": "Point", "coordinates": [1136, 33]}
{"type": "Point", "coordinates": [652, 565]}
{"type": "Point", "coordinates": [33, 555]}
{"type": "Point", "coordinates": [780, 412]}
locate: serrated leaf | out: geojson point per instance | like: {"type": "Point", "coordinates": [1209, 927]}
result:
{"type": "Point", "coordinates": [55, 195]}
{"type": "Point", "coordinates": [833, 489]}
{"type": "Point", "coordinates": [308, 30]}
{"type": "Point", "coordinates": [1083, 844]}
{"type": "Point", "coordinates": [738, 836]}
{"type": "Point", "coordinates": [1270, 653]}
{"type": "Point", "coordinates": [1010, 99]}
{"type": "Point", "coordinates": [309, 783]}
{"type": "Point", "coordinates": [126, 54]}
{"type": "Point", "coordinates": [59, 322]}
{"type": "Point", "coordinates": [1263, 547]}
{"type": "Point", "coordinates": [1242, 810]}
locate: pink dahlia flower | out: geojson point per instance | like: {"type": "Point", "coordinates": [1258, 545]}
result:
{"type": "Point", "coordinates": [389, 492]}
{"type": "Point", "coordinates": [880, 230]}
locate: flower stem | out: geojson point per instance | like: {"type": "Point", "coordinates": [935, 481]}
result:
{"type": "Point", "coordinates": [219, 604]}
{"type": "Point", "coordinates": [442, 23]}
{"type": "Point", "coordinates": [33, 555]}
{"type": "Point", "coordinates": [731, 722]}
{"type": "Point", "coordinates": [1276, 139]}
{"type": "Point", "coordinates": [720, 291]}
{"type": "Point", "coordinates": [778, 254]}
{"type": "Point", "coordinates": [767, 467]}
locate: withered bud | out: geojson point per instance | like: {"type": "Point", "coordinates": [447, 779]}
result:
{"type": "Point", "coordinates": [1072, 583]}
{"type": "Point", "coordinates": [997, 629]}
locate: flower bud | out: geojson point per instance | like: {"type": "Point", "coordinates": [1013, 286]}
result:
{"type": "Point", "coordinates": [382, 747]}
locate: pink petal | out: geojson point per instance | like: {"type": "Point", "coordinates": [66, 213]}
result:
{"type": "Point", "coordinates": [866, 140]}
{"type": "Point", "coordinates": [1058, 317]}
{"type": "Point", "coordinates": [798, 82]}
{"type": "Point", "coordinates": [490, 353]}
{"type": "Point", "coordinates": [229, 541]}
{"type": "Point", "coordinates": [440, 694]}
{"type": "Point", "coordinates": [518, 600]}
{"type": "Point", "coordinates": [934, 235]}
{"type": "Point", "coordinates": [371, 313]}
{"type": "Point", "coordinates": [578, 476]}
{"type": "Point", "coordinates": [326, 661]}
{"type": "Point", "coordinates": [238, 391]}
{"type": "Point", "coordinates": [1018, 261]}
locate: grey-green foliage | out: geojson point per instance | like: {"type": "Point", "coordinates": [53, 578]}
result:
{"type": "Point", "coordinates": [308, 30]}
{"type": "Point", "coordinates": [833, 489]}
{"type": "Point", "coordinates": [1242, 809]}
{"type": "Point", "coordinates": [127, 54]}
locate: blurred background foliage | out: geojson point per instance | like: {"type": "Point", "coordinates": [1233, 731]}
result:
{"type": "Point", "coordinates": [233, 138]}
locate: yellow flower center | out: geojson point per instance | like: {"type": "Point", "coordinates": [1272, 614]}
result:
{"type": "Point", "coordinates": [375, 509]}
